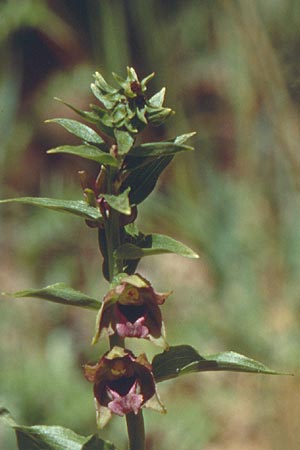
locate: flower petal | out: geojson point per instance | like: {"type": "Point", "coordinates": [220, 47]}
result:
{"type": "Point", "coordinates": [155, 403]}
{"type": "Point", "coordinates": [103, 322]}
{"type": "Point", "coordinates": [103, 414]}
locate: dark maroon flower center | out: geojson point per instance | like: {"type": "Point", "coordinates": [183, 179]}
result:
{"type": "Point", "coordinates": [122, 385]}
{"type": "Point", "coordinates": [132, 312]}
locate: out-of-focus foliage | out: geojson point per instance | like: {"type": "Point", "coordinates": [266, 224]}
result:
{"type": "Point", "coordinates": [232, 71]}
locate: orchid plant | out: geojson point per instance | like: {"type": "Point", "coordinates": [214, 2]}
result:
{"type": "Point", "coordinates": [123, 383]}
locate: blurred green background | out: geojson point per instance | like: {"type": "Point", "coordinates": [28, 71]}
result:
{"type": "Point", "coordinates": [232, 71]}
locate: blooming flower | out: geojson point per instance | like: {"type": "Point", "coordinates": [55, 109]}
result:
{"type": "Point", "coordinates": [122, 384]}
{"type": "Point", "coordinates": [131, 309]}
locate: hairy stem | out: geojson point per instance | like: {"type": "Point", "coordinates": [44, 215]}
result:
{"type": "Point", "coordinates": [136, 431]}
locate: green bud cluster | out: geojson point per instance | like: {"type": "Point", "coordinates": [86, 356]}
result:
{"type": "Point", "coordinates": [128, 107]}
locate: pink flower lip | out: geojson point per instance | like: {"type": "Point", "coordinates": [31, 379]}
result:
{"type": "Point", "coordinates": [136, 329]}
{"type": "Point", "coordinates": [131, 402]}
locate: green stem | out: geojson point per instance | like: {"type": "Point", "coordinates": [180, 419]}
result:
{"type": "Point", "coordinates": [136, 431]}
{"type": "Point", "coordinates": [112, 231]}
{"type": "Point", "coordinates": [115, 339]}
{"type": "Point", "coordinates": [135, 422]}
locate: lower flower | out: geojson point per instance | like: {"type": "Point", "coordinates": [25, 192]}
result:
{"type": "Point", "coordinates": [122, 384]}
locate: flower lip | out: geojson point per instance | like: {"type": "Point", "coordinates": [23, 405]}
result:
{"type": "Point", "coordinates": [129, 329]}
{"type": "Point", "coordinates": [121, 405]}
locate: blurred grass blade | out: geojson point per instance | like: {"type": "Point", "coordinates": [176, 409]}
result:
{"type": "Point", "coordinates": [60, 293]}
{"type": "Point", "coordinates": [154, 244]}
{"type": "Point", "coordinates": [184, 359]}
{"type": "Point", "coordinates": [80, 130]}
{"type": "Point", "coordinates": [76, 207]}
{"type": "Point", "coordinates": [6, 417]}
{"type": "Point", "coordinates": [87, 152]}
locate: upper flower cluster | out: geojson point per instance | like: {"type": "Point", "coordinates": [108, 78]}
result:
{"type": "Point", "coordinates": [128, 108]}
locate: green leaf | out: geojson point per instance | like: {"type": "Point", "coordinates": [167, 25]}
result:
{"type": "Point", "coordinates": [239, 363]}
{"type": "Point", "coordinates": [87, 152]}
{"type": "Point", "coordinates": [41, 437]}
{"type": "Point", "coordinates": [142, 180]}
{"type": "Point", "coordinates": [47, 438]}
{"type": "Point", "coordinates": [184, 359]}
{"type": "Point", "coordinates": [119, 202]}
{"type": "Point", "coordinates": [80, 130]}
{"type": "Point", "coordinates": [76, 207]}
{"type": "Point", "coordinates": [157, 149]}
{"type": "Point", "coordinates": [154, 244]}
{"type": "Point", "coordinates": [89, 116]}
{"type": "Point", "coordinates": [124, 141]}
{"type": "Point", "coordinates": [98, 116]}
{"type": "Point", "coordinates": [60, 293]}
